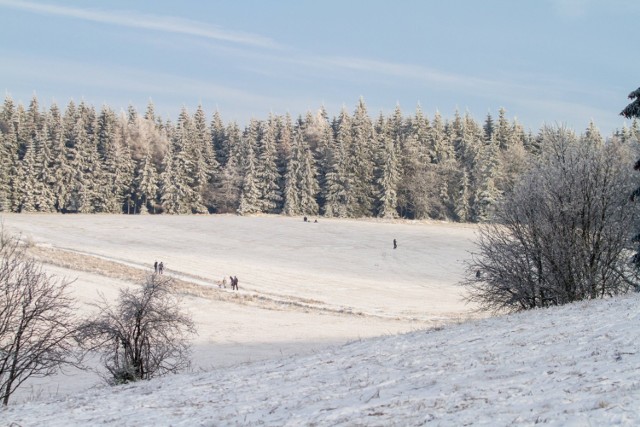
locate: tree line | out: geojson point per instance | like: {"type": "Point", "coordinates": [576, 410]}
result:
{"type": "Point", "coordinates": [88, 161]}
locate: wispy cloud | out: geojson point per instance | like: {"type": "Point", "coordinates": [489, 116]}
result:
{"type": "Point", "coordinates": [166, 24]}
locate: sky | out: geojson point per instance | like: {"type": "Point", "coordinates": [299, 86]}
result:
{"type": "Point", "coordinates": [554, 62]}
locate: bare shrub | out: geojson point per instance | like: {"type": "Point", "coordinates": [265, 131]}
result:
{"type": "Point", "coordinates": [37, 320]}
{"type": "Point", "coordinates": [562, 234]}
{"type": "Point", "coordinates": [144, 335]}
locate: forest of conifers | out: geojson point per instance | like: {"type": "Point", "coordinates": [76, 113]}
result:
{"type": "Point", "coordinates": [410, 166]}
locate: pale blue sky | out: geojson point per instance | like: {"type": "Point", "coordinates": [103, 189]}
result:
{"type": "Point", "coordinates": [544, 61]}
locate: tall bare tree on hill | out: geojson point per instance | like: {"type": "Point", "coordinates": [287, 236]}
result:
{"type": "Point", "coordinates": [37, 319]}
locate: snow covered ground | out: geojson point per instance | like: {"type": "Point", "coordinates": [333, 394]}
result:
{"type": "Point", "coordinates": [332, 327]}
{"type": "Point", "coordinates": [568, 366]}
{"type": "Point", "coordinates": [303, 286]}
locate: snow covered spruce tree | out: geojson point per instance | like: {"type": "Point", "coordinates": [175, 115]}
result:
{"type": "Point", "coordinates": [144, 335]}
{"type": "Point", "coordinates": [633, 111]}
{"type": "Point", "coordinates": [37, 319]}
{"type": "Point", "coordinates": [562, 233]}
{"type": "Point", "coordinates": [301, 186]}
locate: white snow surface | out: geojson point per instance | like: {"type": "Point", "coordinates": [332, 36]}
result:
{"type": "Point", "coordinates": [573, 365]}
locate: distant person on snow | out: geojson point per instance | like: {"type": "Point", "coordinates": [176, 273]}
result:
{"type": "Point", "coordinates": [161, 267]}
{"type": "Point", "coordinates": [223, 284]}
{"type": "Point", "coordinates": [305, 219]}
{"type": "Point", "coordinates": [395, 244]}
{"type": "Point", "coordinates": [155, 267]}
{"type": "Point", "coordinates": [235, 282]}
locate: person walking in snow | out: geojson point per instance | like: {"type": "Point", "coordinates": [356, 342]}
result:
{"type": "Point", "coordinates": [155, 267]}
{"type": "Point", "coordinates": [235, 282]}
{"type": "Point", "coordinates": [224, 283]}
{"type": "Point", "coordinates": [161, 267]}
{"type": "Point", "coordinates": [395, 244]}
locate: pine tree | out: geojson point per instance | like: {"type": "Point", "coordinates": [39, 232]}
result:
{"type": "Point", "coordinates": [227, 193]}
{"type": "Point", "coordinates": [206, 166]}
{"type": "Point", "coordinates": [44, 197]}
{"type": "Point", "coordinates": [301, 187]}
{"type": "Point", "coordinates": [324, 157]}
{"type": "Point", "coordinates": [462, 202]}
{"type": "Point", "coordinates": [488, 128]}
{"type": "Point", "coordinates": [362, 162]}
{"type": "Point", "coordinates": [488, 194]}
{"type": "Point", "coordinates": [27, 180]}
{"type": "Point", "coordinates": [250, 192]}
{"type": "Point", "coordinates": [267, 169]}
{"type": "Point", "coordinates": [9, 152]}
{"type": "Point", "coordinates": [592, 135]}
{"type": "Point", "coordinates": [388, 173]}
{"type": "Point", "coordinates": [170, 196]}
{"type": "Point", "coordinates": [147, 184]}
{"type": "Point", "coordinates": [219, 139]}
{"type": "Point", "coordinates": [5, 165]}
{"type": "Point", "coordinates": [337, 193]}
{"type": "Point", "coordinates": [503, 133]}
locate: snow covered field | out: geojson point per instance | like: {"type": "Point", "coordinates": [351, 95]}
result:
{"type": "Point", "coordinates": [570, 366]}
{"type": "Point", "coordinates": [303, 286]}
{"type": "Point", "coordinates": [275, 353]}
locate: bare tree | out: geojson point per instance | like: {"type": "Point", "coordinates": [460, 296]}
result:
{"type": "Point", "coordinates": [37, 320]}
{"type": "Point", "coordinates": [144, 335]}
{"type": "Point", "coordinates": [562, 234]}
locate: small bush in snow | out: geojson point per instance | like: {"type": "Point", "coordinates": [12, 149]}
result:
{"type": "Point", "coordinates": [144, 335]}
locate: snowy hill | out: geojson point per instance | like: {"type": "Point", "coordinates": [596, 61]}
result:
{"type": "Point", "coordinates": [274, 353]}
{"type": "Point", "coordinates": [574, 365]}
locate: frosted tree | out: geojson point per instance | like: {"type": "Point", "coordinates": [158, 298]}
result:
{"type": "Point", "coordinates": [8, 169]}
{"type": "Point", "coordinates": [301, 186]}
{"type": "Point", "coordinates": [205, 163]}
{"type": "Point", "coordinates": [388, 174]}
{"type": "Point", "coordinates": [284, 140]}
{"type": "Point", "coordinates": [488, 194]}
{"type": "Point", "coordinates": [562, 233]}
{"type": "Point", "coordinates": [309, 187]}
{"type": "Point", "coordinates": [361, 163]}
{"type": "Point", "coordinates": [147, 184]}
{"type": "Point", "coordinates": [440, 147]}
{"type": "Point", "coordinates": [60, 169]}
{"type": "Point", "coordinates": [324, 157]}
{"type": "Point", "coordinates": [5, 163]}
{"type": "Point", "coordinates": [592, 135]}
{"type": "Point", "coordinates": [338, 186]}
{"type": "Point", "coordinates": [44, 197]}
{"type": "Point", "coordinates": [250, 192]}
{"type": "Point", "coordinates": [503, 132]}
{"type": "Point", "coordinates": [86, 165]}
{"type": "Point", "coordinates": [488, 127]}
{"type": "Point", "coordinates": [219, 139]}
{"type": "Point", "coordinates": [632, 110]}
{"type": "Point", "coordinates": [267, 169]}
{"type": "Point", "coordinates": [462, 201]}
{"type": "Point", "coordinates": [114, 182]}
{"type": "Point", "coordinates": [27, 178]}
{"type": "Point", "coordinates": [170, 196]}
{"type": "Point", "coordinates": [227, 192]}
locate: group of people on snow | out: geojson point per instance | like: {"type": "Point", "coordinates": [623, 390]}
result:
{"type": "Point", "coordinates": [234, 282]}
{"type": "Point", "coordinates": [158, 268]}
